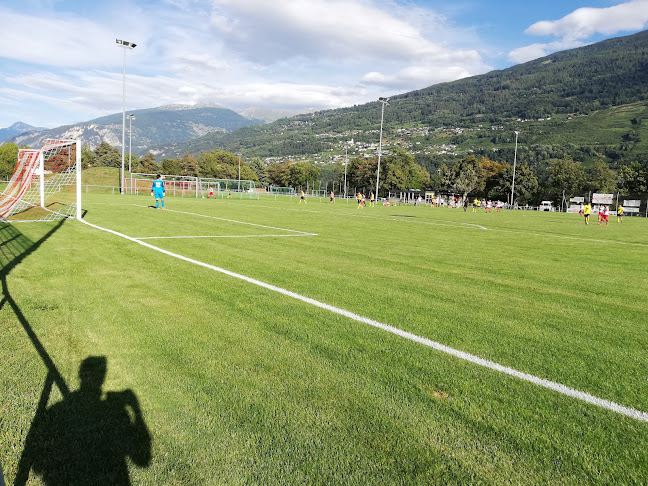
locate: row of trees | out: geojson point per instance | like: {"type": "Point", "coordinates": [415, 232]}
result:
{"type": "Point", "coordinates": [479, 177]}
{"type": "Point", "coordinates": [566, 177]}
{"type": "Point", "coordinates": [398, 169]}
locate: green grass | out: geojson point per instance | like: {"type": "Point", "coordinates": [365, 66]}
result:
{"type": "Point", "coordinates": [242, 385]}
{"type": "Point", "coordinates": [102, 176]}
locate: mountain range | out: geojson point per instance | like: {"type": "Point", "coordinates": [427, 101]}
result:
{"type": "Point", "coordinates": [602, 89]}
{"type": "Point", "coordinates": [573, 83]}
{"type": "Point", "coordinates": [150, 127]}
{"type": "Point", "coordinates": [17, 128]}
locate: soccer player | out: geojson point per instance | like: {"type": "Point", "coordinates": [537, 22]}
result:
{"type": "Point", "coordinates": [158, 190]}
{"type": "Point", "coordinates": [372, 198]}
{"type": "Point", "coordinates": [332, 197]}
{"type": "Point", "coordinates": [211, 193]}
{"type": "Point", "coordinates": [620, 214]}
{"type": "Point", "coordinates": [587, 210]}
{"type": "Point", "coordinates": [359, 198]}
{"type": "Point", "coordinates": [604, 214]}
{"type": "Point", "coordinates": [302, 199]}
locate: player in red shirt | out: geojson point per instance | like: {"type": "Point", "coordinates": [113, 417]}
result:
{"type": "Point", "coordinates": [604, 215]}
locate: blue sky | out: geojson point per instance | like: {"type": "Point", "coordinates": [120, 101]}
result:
{"type": "Point", "coordinates": [59, 63]}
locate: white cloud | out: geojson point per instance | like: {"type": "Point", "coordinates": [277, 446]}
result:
{"type": "Point", "coordinates": [535, 51]}
{"type": "Point", "coordinates": [423, 75]}
{"type": "Point", "coordinates": [46, 41]}
{"type": "Point", "coordinates": [581, 24]}
{"type": "Point", "coordinates": [267, 32]}
{"type": "Point", "coordinates": [585, 22]}
{"type": "Point", "coordinates": [237, 53]}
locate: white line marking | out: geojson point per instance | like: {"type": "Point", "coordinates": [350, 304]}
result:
{"type": "Point", "coordinates": [222, 236]}
{"type": "Point", "coordinates": [551, 385]}
{"type": "Point", "coordinates": [388, 217]}
{"type": "Point", "coordinates": [566, 237]}
{"type": "Point", "coordinates": [234, 221]}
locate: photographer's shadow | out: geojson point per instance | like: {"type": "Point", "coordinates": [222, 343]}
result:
{"type": "Point", "coordinates": [85, 438]}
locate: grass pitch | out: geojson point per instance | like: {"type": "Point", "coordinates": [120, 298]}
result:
{"type": "Point", "coordinates": [239, 384]}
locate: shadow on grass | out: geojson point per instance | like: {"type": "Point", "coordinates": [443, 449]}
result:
{"type": "Point", "coordinates": [84, 438]}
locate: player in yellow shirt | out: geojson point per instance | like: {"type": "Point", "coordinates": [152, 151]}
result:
{"type": "Point", "coordinates": [587, 210]}
{"type": "Point", "coordinates": [302, 199]}
{"type": "Point", "coordinates": [359, 198]}
{"type": "Point", "coordinates": [371, 200]}
{"type": "Point", "coordinates": [620, 214]}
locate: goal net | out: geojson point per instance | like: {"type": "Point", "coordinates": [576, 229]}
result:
{"type": "Point", "coordinates": [45, 185]}
{"type": "Point", "coordinates": [189, 186]}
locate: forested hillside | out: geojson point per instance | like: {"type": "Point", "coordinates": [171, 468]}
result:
{"type": "Point", "coordinates": [577, 82]}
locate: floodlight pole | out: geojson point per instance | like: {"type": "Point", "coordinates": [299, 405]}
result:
{"type": "Point", "coordinates": [514, 162]}
{"type": "Point", "coordinates": [239, 178]}
{"type": "Point", "coordinates": [346, 162]}
{"type": "Point", "coordinates": [131, 117]}
{"type": "Point", "coordinates": [124, 45]}
{"type": "Point", "coordinates": [384, 102]}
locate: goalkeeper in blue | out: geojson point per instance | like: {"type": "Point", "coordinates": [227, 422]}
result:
{"type": "Point", "coordinates": [158, 190]}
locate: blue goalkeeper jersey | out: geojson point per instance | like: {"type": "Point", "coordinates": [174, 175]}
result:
{"type": "Point", "coordinates": [158, 186]}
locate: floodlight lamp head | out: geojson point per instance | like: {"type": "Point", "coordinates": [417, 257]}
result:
{"type": "Point", "coordinates": [124, 43]}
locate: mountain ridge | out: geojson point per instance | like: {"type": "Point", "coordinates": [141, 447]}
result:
{"type": "Point", "coordinates": [150, 127]}
{"type": "Point", "coordinates": [576, 81]}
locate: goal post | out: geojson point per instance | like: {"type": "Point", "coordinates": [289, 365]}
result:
{"type": "Point", "coordinates": [45, 185]}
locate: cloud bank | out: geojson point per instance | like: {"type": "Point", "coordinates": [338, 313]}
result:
{"type": "Point", "coordinates": [574, 29]}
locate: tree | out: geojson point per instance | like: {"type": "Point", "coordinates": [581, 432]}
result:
{"type": "Point", "coordinates": [362, 173]}
{"type": "Point", "coordinates": [171, 166]}
{"type": "Point", "coordinates": [492, 171]}
{"type": "Point", "coordinates": [464, 177]}
{"type": "Point", "coordinates": [526, 184]}
{"type": "Point", "coordinates": [134, 162]}
{"type": "Point", "coordinates": [148, 164]}
{"type": "Point", "coordinates": [303, 172]}
{"type": "Point", "coordinates": [260, 171]}
{"type": "Point", "coordinates": [419, 177]}
{"type": "Point", "coordinates": [219, 165]}
{"type": "Point", "coordinates": [189, 165]}
{"type": "Point", "coordinates": [107, 155]}
{"type": "Point", "coordinates": [633, 179]}
{"type": "Point", "coordinates": [402, 173]}
{"type": "Point", "coordinates": [88, 157]}
{"type": "Point", "coordinates": [602, 178]}
{"type": "Point", "coordinates": [103, 148]}
{"type": "Point", "coordinates": [279, 174]}
{"type": "Point", "coordinates": [565, 177]}
{"type": "Point", "coordinates": [8, 159]}
{"type": "Point", "coordinates": [332, 174]}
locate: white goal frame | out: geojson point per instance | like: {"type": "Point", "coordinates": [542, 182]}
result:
{"type": "Point", "coordinates": [38, 188]}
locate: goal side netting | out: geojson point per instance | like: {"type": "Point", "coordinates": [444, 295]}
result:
{"type": "Point", "coordinates": [45, 185]}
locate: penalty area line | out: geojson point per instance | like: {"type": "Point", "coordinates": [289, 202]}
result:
{"type": "Point", "coordinates": [544, 383]}
{"type": "Point", "coordinates": [221, 236]}
{"type": "Point", "coordinates": [303, 233]}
